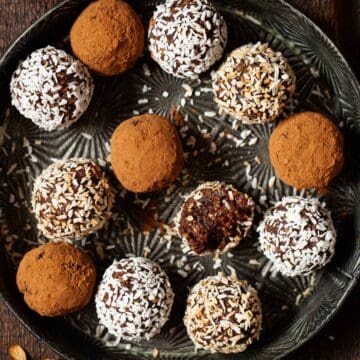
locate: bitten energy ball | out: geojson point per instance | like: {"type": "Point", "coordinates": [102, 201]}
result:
{"type": "Point", "coordinates": [134, 299]}
{"type": "Point", "coordinates": [223, 314]}
{"type": "Point", "coordinates": [146, 153]}
{"type": "Point", "coordinates": [51, 88]}
{"type": "Point", "coordinates": [186, 37]}
{"type": "Point", "coordinates": [297, 235]}
{"type": "Point", "coordinates": [72, 199]}
{"type": "Point", "coordinates": [108, 37]}
{"type": "Point", "coordinates": [306, 150]}
{"type": "Point", "coordinates": [254, 84]}
{"type": "Point", "coordinates": [214, 218]}
{"type": "Point", "coordinates": [56, 279]}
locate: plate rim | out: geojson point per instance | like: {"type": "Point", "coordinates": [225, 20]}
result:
{"type": "Point", "coordinates": [351, 284]}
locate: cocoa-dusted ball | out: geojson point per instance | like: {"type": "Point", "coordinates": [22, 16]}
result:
{"type": "Point", "coordinates": [146, 153]}
{"type": "Point", "coordinates": [306, 150]}
{"type": "Point", "coordinates": [56, 279]}
{"type": "Point", "coordinates": [108, 37]}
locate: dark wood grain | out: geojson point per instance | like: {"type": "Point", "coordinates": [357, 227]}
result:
{"type": "Point", "coordinates": [340, 19]}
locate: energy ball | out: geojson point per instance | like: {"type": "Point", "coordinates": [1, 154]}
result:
{"type": "Point", "coordinates": [51, 88]}
{"type": "Point", "coordinates": [134, 299]}
{"type": "Point", "coordinates": [146, 153]}
{"type": "Point", "coordinates": [306, 150]}
{"type": "Point", "coordinates": [223, 314]}
{"type": "Point", "coordinates": [297, 235]}
{"type": "Point", "coordinates": [108, 37]}
{"type": "Point", "coordinates": [72, 199]}
{"type": "Point", "coordinates": [56, 279]}
{"type": "Point", "coordinates": [254, 84]}
{"type": "Point", "coordinates": [186, 37]}
{"type": "Point", "coordinates": [214, 218]}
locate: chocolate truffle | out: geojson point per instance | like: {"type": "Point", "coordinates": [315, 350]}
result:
{"type": "Point", "coordinates": [186, 37]}
{"type": "Point", "coordinates": [72, 199]}
{"type": "Point", "coordinates": [134, 299]}
{"type": "Point", "coordinates": [223, 314]}
{"type": "Point", "coordinates": [108, 37]}
{"type": "Point", "coordinates": [146, 153]}
{"type": "Point", "coordinates": [297, 235]}
{"type": "Point", "coordinates": [51, 88]}
{"type": "Point", "coordinates": [56, 279]}
{"type": "Point", "coordinates": [306, 150]}
{"type": "Point", "coordinates": [254, 84]}
{"type": "Point", "coordinates": [214, 218]}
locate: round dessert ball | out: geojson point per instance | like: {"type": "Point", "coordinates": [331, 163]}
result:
{"type": "Point", "coordinates": [186, 37]}
{"type": "Point", "coordinates": [56, 279]}
{"type": "Point", "coordinates": [214, 218]}
{"type": "Point", "coordinates": [254, 84]}
{"type": "Point", "coordinates": [134, 299]}
{"type": "Point", "coordinates": [223, 314]}
{"type": "Point", "coordinates": [72, 199]}
{"type": "Point", "coordinates": [51, 88]}
{"type": "Point", "coordinates": [108, 37]}
{"type": "Point", "coordinates": [146, 153]}
{"type": "Point", "coordinates": [306, 150]}
{"type": "Point", "coordinates": [297, 235]}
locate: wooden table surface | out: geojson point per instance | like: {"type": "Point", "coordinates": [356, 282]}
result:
{"type": "Point", "coordinates": [340, 19]}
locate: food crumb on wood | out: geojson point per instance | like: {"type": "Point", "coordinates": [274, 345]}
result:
{"type": "Point", "coordinates": [155, 353]}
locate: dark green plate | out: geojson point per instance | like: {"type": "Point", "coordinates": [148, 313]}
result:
{"type": "Point", "coordinates": [294, 308]}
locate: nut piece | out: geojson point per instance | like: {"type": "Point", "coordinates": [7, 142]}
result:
{"type": "Point", "coordinates": [16, 352]}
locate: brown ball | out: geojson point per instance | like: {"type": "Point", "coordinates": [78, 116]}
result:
{"type": "Point", "coordinates": [146, 153]}
{"type": "Point", "coordinates": [108, 37]}
{"type": "Point", "coordinates": [56, 279]}
{"type": "Point", "coordinates": [306, 150]}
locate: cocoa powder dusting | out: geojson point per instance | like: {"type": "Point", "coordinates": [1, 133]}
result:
{"type": "Point", "coordinates": [56, 279]}
{"type": "Point", "coordinates": [146, 153]}
{"type": "Point", "coordinates": [108, 37]}
{"type": "Point", "coordinates": [306, 150]}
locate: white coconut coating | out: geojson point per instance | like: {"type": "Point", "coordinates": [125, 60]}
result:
{"type": "Point", "coordinates": [134, 299]}
{"type": "Point", "coordinates": [51, 88]}
{"type": "Point", "coordinates": [254, 83]}
{"type": "Point", "coordinates": [186, 37]}
{"type": "Point", "coordinates": [72, 199]}
{"type": "Point", "coordinates": [297, 235]}
{"type": "Point", "coordinates": [223, 314]}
